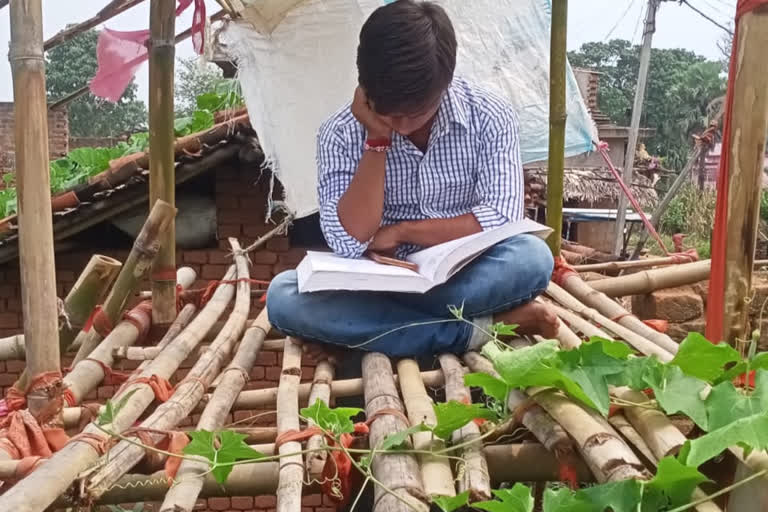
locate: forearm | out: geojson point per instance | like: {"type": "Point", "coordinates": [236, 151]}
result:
{"type": "Point", "coordinates": [362, 204]}
{"type": "Point", "coordinates": [427, 233]}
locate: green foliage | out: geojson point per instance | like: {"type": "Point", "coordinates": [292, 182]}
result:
{"type": "Point", "coordinates": [199, 121]}
{"type": "Point", "coordinates": [691, 212]}
{"type": "Point", "coordinates": [451, 503]}
{"type": "Point", "coordinates": [194, 81]}
{"type": "Point", "coordinates": [69, 67]}
{"type": "Point", "coordinates": [699, 358]}
{"type": "Point", "coordinates": [453, 415]}
{"type": "Point", "coordinates": [517, 499]}
{"type": "Point", "coordinates": [221, 449]}
{"type": "Point", "coordinates": [399, 440]}
{"type": "Point", "coordinates": [491, 386]}
{"type": "Point", "coordinates": [502, 329]}
{"type": "Point", "coordinates": [336, 421]}
{"type": "Point", "coordinates": [681, 86]}
{"type": "Point", "coordinates": [111, 409]}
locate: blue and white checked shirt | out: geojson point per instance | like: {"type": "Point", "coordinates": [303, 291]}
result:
{"type": "Point", "coordinates": [472, 164]}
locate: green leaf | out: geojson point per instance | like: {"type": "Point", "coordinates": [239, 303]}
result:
{"type": "Point", "coordinates": [760, 361]}
{"type": "Point", "coordinates": [591, 364]}
{"type": "Point", "coordinates": [565, 500]}
{"type": "Point", "coordinates": [451, 503]}
{"type": "Point", "coordinates": [726, 403]}
{"type": "Point", "coordinates": [398, 440]}
{"type": "Point", "coordinates": [336, 421]}
{"type": "Point", "coordinates": [751, 431]}
{"type": "Point", "coordinates": [618, 496]}
{"type": "Point", "coordinates": [517, 499]}
{"type": "Point", "coordinates": [493, 387]}
{"type": "Point", "coordinates": [453, 415]}
{"type": "Point", "coordinates": [675, 481]}
{"type": "Point", "coordinates": [199, 121]}
{"type": "Point", "coordinates": [677, 392]}
{"type": "Point", "coordinates": [699, 358]}
{"type": "Point", "coordinates": [94, 160]}
{"type": "Point", "coordinates": [503, 329]}
{"type": "Point", "coordinates": [221, 449]}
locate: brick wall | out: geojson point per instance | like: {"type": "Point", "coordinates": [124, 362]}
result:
{"type": "Point", "coordinates": [240, 213]}
{"type": "Point", "coordinates": [58, 135]}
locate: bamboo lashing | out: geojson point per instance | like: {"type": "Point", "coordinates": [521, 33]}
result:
{"type": "Point", "coordinates": [189, 482]}
{"type": "Point", "coordinates": [474, 473]}
{"type": "Point", "coordinates": [42, 487]}
{"type": "Point", "coordinates": [436, 471]}
{"type": "Point", "coordinates": [291, 476]}
{"type": "Point", "coordinates": [320, 390]}
{"type": "Point", "coordinates": [187, 393]}
{"type": "Point", "coordinates": [398, 472]}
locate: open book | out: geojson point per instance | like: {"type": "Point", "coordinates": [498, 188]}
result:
{"type": "Point", "coordinates": [325, 271]}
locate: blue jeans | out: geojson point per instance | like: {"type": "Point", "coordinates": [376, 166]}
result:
{"type": "Point", "coordinates": [506, 276]}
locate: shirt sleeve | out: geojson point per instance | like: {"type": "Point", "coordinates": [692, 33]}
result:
{"type": "Point", "coordinates": [499, 192]}
{"type": "Point", "coordinates": [336, 168]}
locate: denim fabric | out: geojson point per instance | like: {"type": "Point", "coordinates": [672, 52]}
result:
{"type": "Point", "coordinates": [507, 275]}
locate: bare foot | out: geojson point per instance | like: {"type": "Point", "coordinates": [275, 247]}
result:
{"type": "Point", "coordinates": [532, 318]}
{"type": "Point", "coordinates": [317, 352]}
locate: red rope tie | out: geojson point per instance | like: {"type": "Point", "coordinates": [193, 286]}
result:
{"type": "Point", "coordinates": [99, 321]}
{"type": "Point", "coordinates": [206, 293]}
{"type": "Point", "coordinates": [296, 436]}
{"type": "Point", "coordinates": [622, 316]}
{"type": "Point", "coordinates": [161, 387]}
{"type": "Point", "coordinates": [562, 271]}
{"type": "Point", "coordinates": [111, 377]}
{"type": "Point", "coordinates": [98, 443]}
{"type": "Point", "coordinates": [140, 317]}
{"type": "Point", "coordinates": [69, 398]}
{"type": "Point", "coordinates": [164, 274]}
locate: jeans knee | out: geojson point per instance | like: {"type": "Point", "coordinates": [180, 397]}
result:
{"type": "Point", "coordinates": [280, 294]}
{"type": "Point", "coordinates": [539, 260]}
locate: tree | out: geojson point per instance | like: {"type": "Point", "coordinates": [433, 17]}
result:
{"type": "Point", "coordinates": [69, 67]}
{"type": "Point", "coordinates": [681, 85]}
{"type": "Point", "coordinates": [192, 80]}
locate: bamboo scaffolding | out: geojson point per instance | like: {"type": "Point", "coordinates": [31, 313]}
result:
{"type": "Point", "coordinates": [607, 456]}
{"type": "Point", "coordinates": [545, 429]}
{"type": "Point", "coordinates": [436, 471]}
{"type": "Point", "coordinates": [529, 462]}
{"type": "Point", "coordinates": [162, 170]}
{"type": "Point", "coordinates": [42, 487]}
{"type": "Point", "coordinates": [398, 472]}
{"type": "Point", "coordinates": [640, 343]}
{"type": "Point", "coordinates": [291, 474]}
{"type": "Point", "coordinates": [36, 258]}
{"type": "Point", "coordinates": [139, 260]}
{"type": "Point", "coordinates": [188, 392]}
{"type": "Point", "coordinates": [632, 437]}
{"type": "Point", "coordinates": [149, 353]}
{"type": "Point", "coordinates": [474, 476]}
{"type": "Point", "coordinates": [109, 11]}
{"type": "Point", "coordinates": [320, 390]}
{"type": "Point", "coordinates": [578, 323]}
{"type": "Point", "coordinates": [574, 285]}
{"type": "Point", "coordinates": [649, 281]}
{"type": "Point", "coordinates": [190, 479]}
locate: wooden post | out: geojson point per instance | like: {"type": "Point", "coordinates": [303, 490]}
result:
{"type": "Point", "coordinates": [38, 275]}
{"type": "Point", "coordinates": [637, 111]}
{"type": "Point", "coordinates": [748, 123]}
{"type": "Point", "coordinates": [162, 176]}
{"type": "Point", "coordinates": [557, 116]}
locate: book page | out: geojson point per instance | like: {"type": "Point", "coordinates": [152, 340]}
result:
{"type": "Point", "coordinates": [430, 259]}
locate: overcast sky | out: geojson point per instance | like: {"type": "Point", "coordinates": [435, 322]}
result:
{"type": "Point", "coordinates": [589, 20]}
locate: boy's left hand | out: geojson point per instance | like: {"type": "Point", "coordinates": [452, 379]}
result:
{"type": "Point", "coordinates": [387, 239]}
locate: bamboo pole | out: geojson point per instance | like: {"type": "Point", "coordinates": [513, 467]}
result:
{"type": "Point", "coordinates": [739, 210]}
{"type": "Point", "coordinates": [578, 323]}
{"type": "Point", "coordinates": [618, 266]}
{"type": "Point", "coordinates": [162, 175]}
{"type": "Point", "coordinates": [13, 348]}
{"type": "Point", "coordinates": [190, 477]}
{"type": "Point", "coordinates": [187, 393]}
{"type": "Point", "coordinates": [41, 488]}
{"type": "Point", "coordinates": [649, 281]}
{"type": "Point", "coordinates": [557, 115]}
{"type": "Point", "coordinates": [529, 462]}
{"type": "Point", "coordinates": [149, 353]}
{"type": "Point", "coordinates": [545, 429]}
{"type": "Point", "coordinates": [109, 11]}
{"type": "Point", "coordinates": [640, 343]}
{"type": "Point", "coordinates": [398, 472]}
{"type": "Point", "coordinates": [36, 258]}
{"type": "Point", "coordinates": [474, 477]}
{"type": "Point", "coordinates": [136, 265]}
{"type": "Point", "coordinates": [607, 456]}
{"type": "Point", "coordinates": [321, 390]}
{"type": "Point", "coordinates": [291, 474]}
{"type": "Point", "coordinates": [435, 471]}
{"type": "Point", "coordinates": [573, 284]}
{"type": "Point", "coordinates": [633, 438]}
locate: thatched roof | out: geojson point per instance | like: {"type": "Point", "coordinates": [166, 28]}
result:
{"type": "Point", "coordinates": [586, 185]}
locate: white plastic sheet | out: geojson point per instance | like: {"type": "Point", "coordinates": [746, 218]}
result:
{"type": "Point", "coordinates": [302, 69]}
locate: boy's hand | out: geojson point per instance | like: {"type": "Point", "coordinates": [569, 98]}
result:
{"type": "Point", "coordinates": [387, 239]}
{"type": "Point", "coordinates": [372, 122]}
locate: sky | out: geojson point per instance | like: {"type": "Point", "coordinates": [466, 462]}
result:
{"type": "Point", "coordinates": [588, 20]}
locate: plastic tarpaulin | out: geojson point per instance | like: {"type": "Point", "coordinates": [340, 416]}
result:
{"type": "Point", "coordinates": [299, 67]}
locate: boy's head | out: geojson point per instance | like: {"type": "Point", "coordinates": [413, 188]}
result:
{"type": "Point", "coordinates": [405, 61]}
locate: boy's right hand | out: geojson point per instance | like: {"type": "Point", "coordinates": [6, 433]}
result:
{"type": "Point", "coordinates": [371, 121]}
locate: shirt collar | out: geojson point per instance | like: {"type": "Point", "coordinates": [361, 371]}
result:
{"type": "Point", "coordinates": [451, 112]}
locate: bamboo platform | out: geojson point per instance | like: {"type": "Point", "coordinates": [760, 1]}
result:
{"type": "Point", "coordinates": [548, 429]}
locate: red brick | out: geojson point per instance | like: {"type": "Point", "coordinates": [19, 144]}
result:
{"type": "Point", "coordinates": [201, 504]}
{"type": "Point", "coordinates": [219, 503]}
{"type": "Point", "coordinates": [242, 415]}
{"type": "Point", "coordinates": [256, 228]}
{"type": "Point", "coordinates": [105, 392]}
{"type": "Point", "coordinates": [257, 373]}
{"type": "Point", "coordinates": [15, 366]}
{"type": "Point", "coordinates": [280, 244]}
{"type": "Point", "coordinates": [8, 290]}
{"type": "Point", "coordinates": [219, 257]}
{"type": "Point", "coordinates": [273, 373]}
{"type": "Point", "coordinates": [242, 502]}
{"type": "Point", "coordinates": [266, 358]}
{"type": "Point", "coordinates": [238, 216]}
{"type": "Point", "coordinates": [13, 305]}
{"type": "Point", "coordinates": [293, 256]}
{"type": "Point", "coordinates": [213, 271]}
{"type": "Point", "coordinates": [195, 256]}
{"type": "Point", "coordinates": [307, 372]}
{"type": "Point", "coordinates": [227, 230]}
{"type": "Point", "coordinates": [312, 500]}
{"type": "Point", "coordinates": [10, 321]}
{"type": "Point", "coordinates": [264, 501]}
{"type": "Point", "coordinates": [327, 500]}
{"type": "Point", "coordinates": [675, 305]}
{"type": "Point", "coordinates": [2, 367]}
{"type": "Point", "coordinates": [325, 509]}
{"type": "Point", "coordinates": [263, 258]}
{"type": "Point", "coordinates": [281, 267]}
{"type": "Point", "coordinates": [261, 271]}
{"type": "Point", "coordinates": [7, 379]}
{"type": "Point", "coordinates": [65, 275]}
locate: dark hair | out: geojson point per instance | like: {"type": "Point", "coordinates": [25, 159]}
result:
{"type": "Point", "coordinates": [406, 56]}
